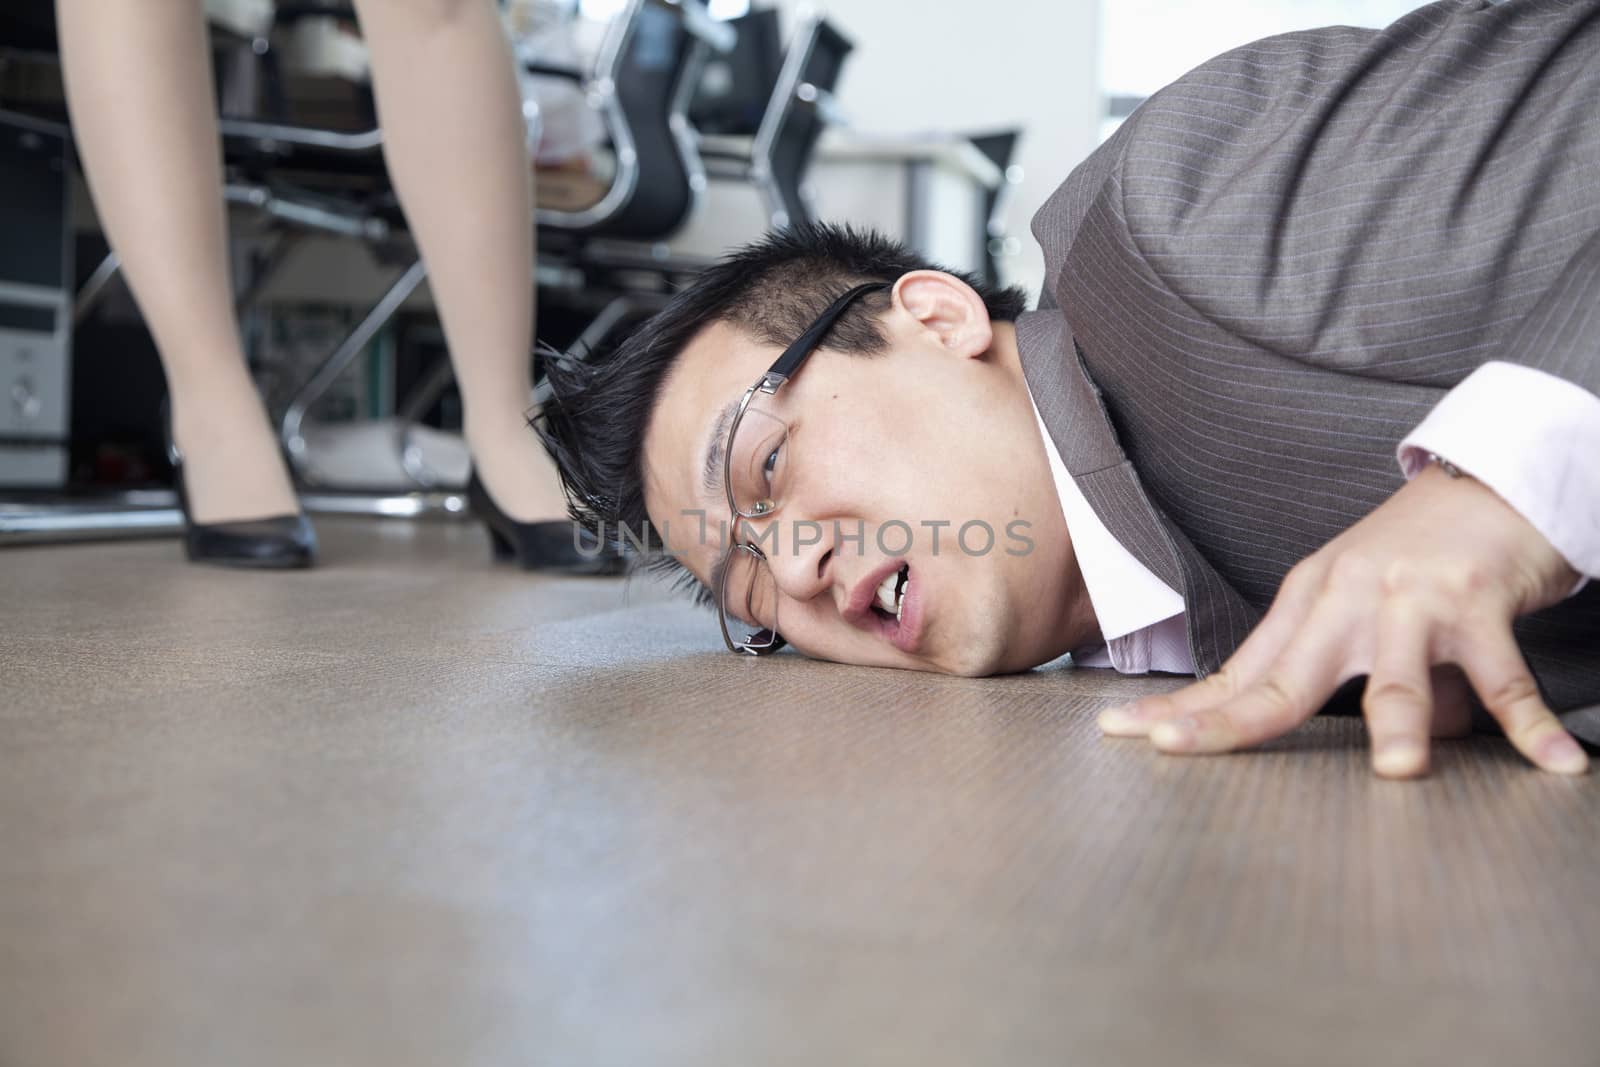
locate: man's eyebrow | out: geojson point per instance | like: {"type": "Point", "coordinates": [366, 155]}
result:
{"type": "Point", "coordinates": [717, 450]}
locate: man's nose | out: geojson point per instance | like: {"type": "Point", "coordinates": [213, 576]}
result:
{"type": "Point", "coordinates": [802, 558]}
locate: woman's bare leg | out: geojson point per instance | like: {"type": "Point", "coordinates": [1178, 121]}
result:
{"type": "Point", "coordinates": [139, 93]}
{"type": "Point", "coordinates": [454, 141]}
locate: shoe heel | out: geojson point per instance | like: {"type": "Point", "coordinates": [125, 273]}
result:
{"type": "Point", "coordinates": [499, 544]}
{"type": "Point", "coordinates": [279, 542]}
{"type": "Point", "coordinates": [541, 545]}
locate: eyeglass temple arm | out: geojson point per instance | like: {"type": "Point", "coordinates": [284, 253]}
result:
{"type": "Point", "coordinates": [784, 368]}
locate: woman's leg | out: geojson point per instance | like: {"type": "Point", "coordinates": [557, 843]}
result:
{"type": "Point", "coordinates": [453, 138]}
{"type": "Point", "coordinates": [139, 92]}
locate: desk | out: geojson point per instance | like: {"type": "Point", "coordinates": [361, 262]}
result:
{"type": "Point", "coordinates": [927, 190]}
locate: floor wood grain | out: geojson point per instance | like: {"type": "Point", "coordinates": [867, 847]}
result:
{"type": "Point", "coordinates": [412, 808]}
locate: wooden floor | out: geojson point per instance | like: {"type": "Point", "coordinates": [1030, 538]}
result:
{"type": "Point", "coordinates": [411, 808]}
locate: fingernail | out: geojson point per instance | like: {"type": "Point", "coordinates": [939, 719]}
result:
{"type": "Point", "coordinates": [1560, 753]}
{"type": "Point", "coordinates": [1395, 759]}
{"type": "Point", "coordinates": [1174, 735]}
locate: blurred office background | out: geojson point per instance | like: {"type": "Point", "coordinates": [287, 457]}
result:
{"type": "Point", "coordinates": [943, 122]}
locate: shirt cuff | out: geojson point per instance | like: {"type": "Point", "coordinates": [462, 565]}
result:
{"type": "Point", "coordinates": [1531, 437]}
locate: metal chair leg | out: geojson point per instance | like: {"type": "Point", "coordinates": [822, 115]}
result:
{"type": "Point", "coordinates": [409, 413]}
{"type": "Point", "coordinates": [294, 418]}
{"type": "Point", "coordinates": [271, 260]}
{"type": "Point", "coordinates": [92, 290]}
{"type": "Point", "coordinates": [417, 504]}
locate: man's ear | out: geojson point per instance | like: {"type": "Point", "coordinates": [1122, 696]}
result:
{"type": "Point", "coordinates": [947, 307]}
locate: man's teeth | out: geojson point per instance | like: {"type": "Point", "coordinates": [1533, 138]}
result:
{"type": "Point", "coordinates": [890, 590]}
{"type": "Point", "coordinates": [886, 588]}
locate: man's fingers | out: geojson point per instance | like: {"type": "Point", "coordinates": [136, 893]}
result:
{"type": "Point", "coordinates": [1398, 701]}
{"type": "Point", "coordinates": [1273, 706]}
{"type": "Point", "coordinates": [1288, 693]}
{"type": "Point", "coordinates": [1137, 719]}
{"type": "Point", "coordinates": [1498, 672]}
{"type": "Point", "coordinates": [1248, 662]}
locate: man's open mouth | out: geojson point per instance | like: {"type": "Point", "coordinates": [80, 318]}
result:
{"type": "Point", "coordinates": [895, 612]}
{"type": "Point", "coordinates": [892, 607]}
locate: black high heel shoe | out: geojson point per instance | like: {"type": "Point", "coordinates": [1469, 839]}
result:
{"type": "Point", "coordinates": [540, 546]}
{"type": "Point", "coordinates": [279, 542]}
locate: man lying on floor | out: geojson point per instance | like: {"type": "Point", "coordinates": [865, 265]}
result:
{"type": "Point", "coordinates": [1304, 260]}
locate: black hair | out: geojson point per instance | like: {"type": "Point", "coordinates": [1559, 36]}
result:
{"type": "Point", "coordinates": [772, 290]}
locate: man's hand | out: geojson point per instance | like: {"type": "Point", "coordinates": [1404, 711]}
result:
{"type": "Point", "coordinates": [1432, 578]}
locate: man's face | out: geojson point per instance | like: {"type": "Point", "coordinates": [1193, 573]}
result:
{"type": "Point", "coordinates": [924, 459]}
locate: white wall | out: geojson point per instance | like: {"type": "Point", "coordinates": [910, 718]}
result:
{"type": "Point", "coordinates": [1137, 62]}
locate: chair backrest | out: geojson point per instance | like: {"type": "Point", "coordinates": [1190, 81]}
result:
{"type": "Point", "coordinates": [644, 77]}
{"type": "Point", "coordinates": [796, 117]}
{"type": "Point", "coordinates": [736, 88]}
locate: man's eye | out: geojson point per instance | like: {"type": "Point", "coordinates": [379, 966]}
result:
{"type": "Point", "coordinates": [771, 465]}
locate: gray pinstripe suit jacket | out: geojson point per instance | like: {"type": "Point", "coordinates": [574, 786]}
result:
{"type": "Point", "coordinates": [1279, 264]}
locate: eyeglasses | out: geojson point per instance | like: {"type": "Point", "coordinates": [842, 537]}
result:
{"type": "Point", "coordinates": [755, 473]}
